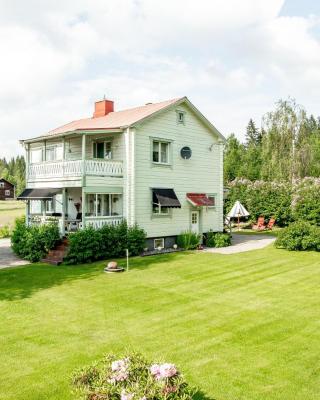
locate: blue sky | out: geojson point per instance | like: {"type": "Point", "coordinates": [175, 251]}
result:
{"type": "Point", "coordinates": [233, 59]}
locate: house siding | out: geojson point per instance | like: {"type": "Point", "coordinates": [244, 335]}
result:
{"type": "Point", "coordinates": [202, 173]}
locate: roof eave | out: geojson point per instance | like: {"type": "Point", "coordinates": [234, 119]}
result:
{"type": "Point", "coordinates": [70, 133]}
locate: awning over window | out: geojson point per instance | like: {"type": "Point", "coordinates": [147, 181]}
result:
{"type": "Point", "coordinates": [200, 200]}
{"type": "Point", "coordinates": [38, 194]}
{"type": "Point", "coordinates": [166, 198]}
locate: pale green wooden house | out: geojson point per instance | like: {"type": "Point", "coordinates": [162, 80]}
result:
{"type": "Point", "coordinates": [159, 165]}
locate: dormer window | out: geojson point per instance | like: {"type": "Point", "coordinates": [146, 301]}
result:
{"type": "Point", "coordinates": [180, 117]}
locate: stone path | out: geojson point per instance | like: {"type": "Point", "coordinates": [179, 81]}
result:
{"type": "Point", "coordinates": [241, 243]}
{"type": "Point", "coordinates": [7, 258]}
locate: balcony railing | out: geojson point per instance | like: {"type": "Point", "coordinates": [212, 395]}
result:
{"type": "Point", "coordinates": [65, 169]}
{"type": "Point", "coordinates": [99, 222]}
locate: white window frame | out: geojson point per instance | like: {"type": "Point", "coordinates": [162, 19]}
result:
{"type": "Point", "coordinates": [157, 246]}
{"type": "Point", "coordinates": [106, 156]}
{"type": "Point", "coordinates": [95, 201]}
{"type": "Point", "coordinates": [53, 148]}
{"type": "Point", "coordinates": [49, 206]}
{"type": "Point", "coordinates": [214, 196]}
{"type": "Point", "coordinates": [180, 114]}
{"type": "Point", "coordinates": [7, 192]}
{"type": "Point", "coordinates": [2, 185]}
{"type": "Point", "coordinates": [160, 142]}
{"type": "Point", "coordinates": [38, 150]}
{"type": "Point", "coordinates": [161, 210]}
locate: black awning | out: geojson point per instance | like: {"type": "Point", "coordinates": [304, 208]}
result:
{"type": "Point", "coordinates": [166, 198]}
{"type": "Point", "coordinates": [38, 194]}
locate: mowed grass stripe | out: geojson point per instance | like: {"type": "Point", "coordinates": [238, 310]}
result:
{"type": "Point", "coordinates": [241, 326]}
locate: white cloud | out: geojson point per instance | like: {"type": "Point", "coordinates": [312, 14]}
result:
{"type": "Point", "coordinates": [233, 59]}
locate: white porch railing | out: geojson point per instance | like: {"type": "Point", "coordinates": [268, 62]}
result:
{"type": "Point", "coordinates": [64, 169]}
{"type": "Point", "coordinates": [99, 222]}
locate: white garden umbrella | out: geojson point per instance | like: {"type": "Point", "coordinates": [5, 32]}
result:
{"type": "Point", "coordinates": [237, 211]}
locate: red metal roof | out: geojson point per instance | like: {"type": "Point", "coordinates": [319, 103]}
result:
{"type": "Point", "coordinates": [113, 120]}
{"type": "Point", "coordinates": [200, 200]}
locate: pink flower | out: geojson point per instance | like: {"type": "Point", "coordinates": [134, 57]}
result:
{"type": "Point", "coordinates": [126, 396]}
{"type": "Point", "coordinates": [167, 370]}
{"type": "Point", "coordinates": [119, 365]}
{"type": "Point", "coordinates": [155, 369]}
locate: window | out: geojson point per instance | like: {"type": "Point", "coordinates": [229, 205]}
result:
{"type": "Point", "coordinates": [160, 152]}
{"type": "Point", "coordinates": [180, 117]}
{"type": "Point", "coordinates": [54, 153]}
{"type": "Point", "coordinates": [158, 243]}
{"type": "Point", "coordinates": [48, 206]}
{"type": "Point", "coordinates": [103, 205]}
{"type": "Point", "coordinates": [157, 209]}
{"type": "Point", "coordinates": [212, 198]}
{"type": "Point", "coordinates": [7, 192]}
{"type": "Point", "coordinates": [35, 156]}
{"type": "Point", "coordinates": [1, 184]}
{"type": "Point", "coordinates": [102, 150]}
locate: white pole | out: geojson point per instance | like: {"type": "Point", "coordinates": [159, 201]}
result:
{"type": "Point", "coordinates": [127, 254]}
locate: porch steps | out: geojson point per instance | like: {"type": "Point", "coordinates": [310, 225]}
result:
{"type": "Point", "coordinates": [56, 255]}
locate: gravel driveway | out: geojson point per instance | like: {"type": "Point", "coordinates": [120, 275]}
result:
{"type": "Point", "coordinates": [241, 243]}
{"type": "Point", "coordinates": [7, 258]}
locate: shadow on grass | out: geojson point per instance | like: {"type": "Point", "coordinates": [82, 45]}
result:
{"type": "Point", "coordinates": [22, 282]}
{"type": "Point", "coordinates": [199, 395]}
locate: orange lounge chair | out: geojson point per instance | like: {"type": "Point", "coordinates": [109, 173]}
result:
{"type": "Point", "coordinates": [259, 226]}
{"type": "Point", "coordinates": [271, 222]}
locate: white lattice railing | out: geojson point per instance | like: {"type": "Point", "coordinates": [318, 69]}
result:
{"type": "Point", "coordinates": [100, 222]}
{"type": "Point", "coordinates": [61, 169]}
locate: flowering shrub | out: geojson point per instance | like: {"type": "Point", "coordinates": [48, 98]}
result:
{"type": "Point", "coordinates": [130, 378]}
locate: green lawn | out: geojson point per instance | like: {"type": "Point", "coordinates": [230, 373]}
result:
{"type": "Point", "coordinates": [10, 210]}
{"type": "Point", "coordinates": [241, 327]}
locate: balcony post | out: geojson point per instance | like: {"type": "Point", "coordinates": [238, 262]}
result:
{"type": "Point", "coordinates": [64, 199]}
{"type": "Point", "coordinates": [63, 153]}
{"type": "Point", "coordinates": [83, 154]}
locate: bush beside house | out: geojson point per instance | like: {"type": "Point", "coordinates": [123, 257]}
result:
{"type": "Point", "coordinates": [110, 241]}
{"type": "Point", "coordinates": [33, 242]}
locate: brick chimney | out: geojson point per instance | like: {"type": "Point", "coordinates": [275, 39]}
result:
{"type": "Point", "coordinates": [102, 108]}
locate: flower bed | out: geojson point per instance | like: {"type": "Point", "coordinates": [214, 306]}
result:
{"type": "Point", "coordinates": [130, 378]}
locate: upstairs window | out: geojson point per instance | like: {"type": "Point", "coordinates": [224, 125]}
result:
{"type": "Point", "coordinates": [102, 150]}
{"type": "Point", "coordinates": [1, 184]}
{"type": "Point", "coordinates": [160, 152]}
{"type": "Point", "coordinates": [54, 153]}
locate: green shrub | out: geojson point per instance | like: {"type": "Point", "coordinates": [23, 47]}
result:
{"type": "Point", "coordinates": [33, 242]}
{"type": "Point", "coordinates": [218, 239]}
{"type": "Point", "coordinates": [110, 241]}
{"type": "Point", "coordinates": [131, 377]}
{"type": "Point", "coordinates": [188, 240]}
{"type": "Point", "coordinates": [4, 231]}
{"type": "Point", "coordinates": [300, 235]}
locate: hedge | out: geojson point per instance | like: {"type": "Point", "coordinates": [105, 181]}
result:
{"type": "Point", "coordinates": [285, 202]}
{"type": "Point", "coordinates": [33, 242]}
{"type": "Point", "coordinates": [110, 241]}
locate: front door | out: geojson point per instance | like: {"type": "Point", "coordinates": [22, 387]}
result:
{"type": "Point", "coordinates": [195, 221]}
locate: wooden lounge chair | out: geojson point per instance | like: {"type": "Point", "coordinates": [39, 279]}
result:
{"type": "Point", "coordinates": [259, 226]}
{"type": "Point", "coordinates": [271, 222]}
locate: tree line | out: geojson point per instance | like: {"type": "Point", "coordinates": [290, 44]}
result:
{"type": "Point", "coordinates": [284, 149]}
{"type": "Point", "coordinates": [14, 171]}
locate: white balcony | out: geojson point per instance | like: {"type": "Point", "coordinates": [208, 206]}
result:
{"type": "Point", "coordinates": [74, 168]}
